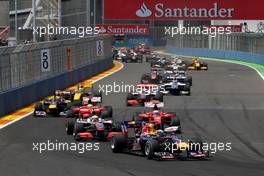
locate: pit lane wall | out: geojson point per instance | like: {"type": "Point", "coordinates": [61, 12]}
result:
{"type": "Point", "coordinates": [71, 61]}
{"type": "Point", "coordinates": [247, 47]}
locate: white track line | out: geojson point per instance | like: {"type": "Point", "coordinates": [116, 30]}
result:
{"type": "Point", "coordinates": [13, 121]}
{"type": "Point", "coordinates": [26, 115]}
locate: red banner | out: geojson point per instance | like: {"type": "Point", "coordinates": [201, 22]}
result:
{"type": "Point", "coordinates": [127, 29]}
{"type": "Point", "coordinates": [183, 9]}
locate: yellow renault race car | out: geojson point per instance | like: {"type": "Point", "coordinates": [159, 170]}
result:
{"type": "Point", "coordinates": [197, 64]}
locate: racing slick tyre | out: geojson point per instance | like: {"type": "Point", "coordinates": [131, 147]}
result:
{"type": "Point", "coordinates": [150, 148]}
{"type": "Point", "coordinates": [159, 96]}
{"type": "Point", "coordinates": [38, 107]}
{"type": "Point", "coordinates": [70, 114]}
{"type": "Point", "coordinates": [118, 142]}
{"type": "Point", "coordinates": [78, 127]}
{"type": "Point", "coordinates": [70, 126]}
{"type": "Point", "coordinates": [188, 88]}
{"type": "Point", "coordinates": [205, 65]}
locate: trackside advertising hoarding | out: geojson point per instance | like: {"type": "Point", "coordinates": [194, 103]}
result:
{"type": "Point", "coordinates": [126, 29]}
{"type": "Point", "coordinates": [183, 10]}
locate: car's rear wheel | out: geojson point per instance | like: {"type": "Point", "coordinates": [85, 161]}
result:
{"type": "Point", "coordinates": [78, 127]}
{"type": "Point", "coordinates": [70, 126]}
{"type": "Point", "coordinates": [118, 143]}
{"type": "Point", "coordinates": [38, 107]}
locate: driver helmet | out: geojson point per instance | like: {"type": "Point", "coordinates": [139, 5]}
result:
{"type": "Point", "coordinates": [90, 105]}
{"type": "Point", "coordinates": [94, 118]}
{"type": "Point", "coordinates": [179, 61]}
{"type": "Point", "coordinates": [151, 128]}
{"type": "Point", "coordinates": [160, 132]}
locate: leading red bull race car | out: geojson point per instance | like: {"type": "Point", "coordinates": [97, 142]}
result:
{"type": "Point", "coordinates": [144, 139]}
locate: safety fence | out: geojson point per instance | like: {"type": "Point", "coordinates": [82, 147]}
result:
{"type": "Point", "coordinates": [25, 64]}
{"type": "Point", "coordinates": [239, 46]}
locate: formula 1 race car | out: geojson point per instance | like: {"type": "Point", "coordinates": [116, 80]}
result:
{"type": "Point", "coordinates": [180, 76]}
{"type": "Point", "coordinates": [131, 56]}
{"type": "Point", "coordinates": [89, 108]}
{"type": "Point", "coordinates": [63, 101]}
{"type": "Point", "coordinates": [147, 95]}
{"type": "Point", "coordinates": [160, 118]}
{"type": "Point", "coordinates": [176, 65]}
{"type": "Point", "coordinates": [153, 57]}
{"type": "Point", "coordinates": [144, 139]}
{"type": "Point", "coordinates": [142, 49]}
{"type": "Point", "coordinates": [197, 64]}
{"type": "Point", "coordinates": [92, 126]}
{"type": "Point", "coordinates": [53, 106]}
{"type": "Point", "coordinates": [151, 78]}
{"type": "Point", "coordinates": [118, 54]}
{"type": "Point", "coordinates": [85, 111]}
{"type": "Point", "coordinates": [176, 87]}
{"type": "Point", "coordinates": [85, 94]}
{"type": "Point", "coordinates": [115, 53]}
{"type": "Point", "coordinates": [161, 62]}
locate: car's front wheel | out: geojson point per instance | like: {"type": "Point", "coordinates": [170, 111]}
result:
{"type": "Point", "coordinates": [150, 148]}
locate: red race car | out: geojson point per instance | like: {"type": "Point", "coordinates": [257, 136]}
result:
{"type": "Point", "coordinates": [92, 126]}
{"type": "Point", "coordinates": [142, 49]}
{"type": "Point", "coordinates": [160, 118]}
{"type": "Point", "coordinates": [85, 111]}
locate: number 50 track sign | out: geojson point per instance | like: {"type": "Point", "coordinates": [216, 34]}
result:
{"type": "Point", "coordinates": [45, 60]}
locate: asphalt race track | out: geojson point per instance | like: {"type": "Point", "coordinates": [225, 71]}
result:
{"type": "Point", "coordinates": [226, 105]}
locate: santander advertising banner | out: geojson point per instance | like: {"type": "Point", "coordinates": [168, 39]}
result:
{"type": "Point", "coordinates": [126, 29]}
{"type": "Point", "coordinates": [183, 10]}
